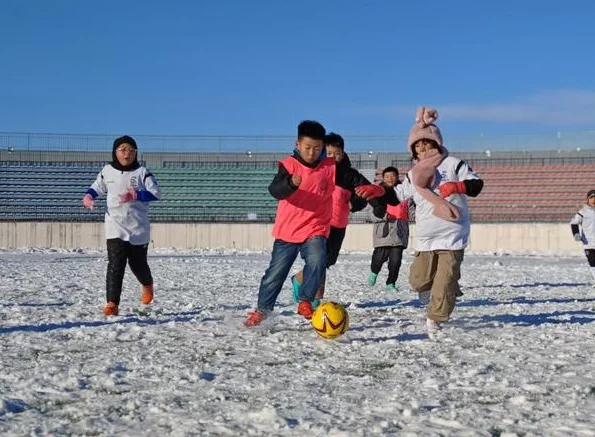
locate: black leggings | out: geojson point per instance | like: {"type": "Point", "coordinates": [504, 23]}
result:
{"type": "Point", "coordinates": [394, 255]}
{"type": "Point", "coordinates": [590, 253]}
{"type": "Point", "coordinates": [333, 245]}
{"type": "Point", "coordinates": [120, 252]}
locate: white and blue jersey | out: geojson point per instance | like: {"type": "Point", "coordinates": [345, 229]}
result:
{"type": "Point", "coordinates": [127, 221]}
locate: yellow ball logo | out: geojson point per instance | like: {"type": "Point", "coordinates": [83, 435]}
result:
{"type": "Point", "coordinates": [330, 320]}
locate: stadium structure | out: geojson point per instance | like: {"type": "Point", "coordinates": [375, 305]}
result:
{"type": "Point", "coordinates": [43, 177]}
{"type": "Point", "coordinates": [215, 190]}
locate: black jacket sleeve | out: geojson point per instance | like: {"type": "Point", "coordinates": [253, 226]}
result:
{"type": "Point", "coordinates": [349, 178]}
{"type": "Point", "coordinates": [574, 229]}
{"type": "Point", "coordinates": [473, 187]}
{"type": "Point", "coordinates": [389, 198]}
{"type": "Point", "coordinates": [379, 210]}
{"type": "Point", "coordinates": [357, 203]}
{"type": "Point", "coordinates": [281, 187]}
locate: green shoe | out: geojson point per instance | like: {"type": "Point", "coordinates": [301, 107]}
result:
{"type": "Point", "coordinates": [296, 289]}
{"type": "Point", "coordinates": [315, 304]}
{"type": "Point", "coordinates": [392, 287]}
{"type": "Point", "coordinates": [372, 279]}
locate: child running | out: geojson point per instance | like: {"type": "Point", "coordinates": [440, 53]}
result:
{"type": "Point", "coordinates": [304, 186]}
{"type": "Point", "coordinates": [390, 234]}
{"type": "Point", "coordinates": [345, 200]}
{"type": "Point", "coordinates": [439, 185]}
{"type": "Point", "coordinates": [583, 230]}
{"type": "Point", "coordinates": [129, 187]}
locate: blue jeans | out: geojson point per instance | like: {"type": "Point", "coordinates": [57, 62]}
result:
{"type": "Point", "coordinates": [313, 252]}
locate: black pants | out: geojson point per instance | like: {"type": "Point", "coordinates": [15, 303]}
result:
{"type": "Point", "coordinates": [394, 255]}
{"type": "Point", "coordinates": [333, 245]}
{"type": "Point", "coordinates": [120, 252]}
{"type": "Point", "coordinates": [590, 253]}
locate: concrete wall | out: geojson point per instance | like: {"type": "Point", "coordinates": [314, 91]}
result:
{"type": "Point", "coordinates": [534, 238]}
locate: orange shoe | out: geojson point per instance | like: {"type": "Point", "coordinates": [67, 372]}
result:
{"type": "Point", "coordinates": [147, 294]}
{"type": "Point", "coordinates": [111, 309]}
{"type": "Point", "coordinates": [305, 309]}
{"type": "Point", "coordinates": [255, 318]}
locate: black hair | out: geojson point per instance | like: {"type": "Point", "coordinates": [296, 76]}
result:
{"type": "Point", "coordinates": [125, 139]}
{"type": "Point", "coordinates": [312, 129]}
{"type": "Point", "coordinates": [389, 170]}
{"type": "Point", "coordinates": [335, 140]}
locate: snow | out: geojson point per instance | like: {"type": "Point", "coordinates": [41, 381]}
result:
{"type": "Point", "coordinates": [515, 360]}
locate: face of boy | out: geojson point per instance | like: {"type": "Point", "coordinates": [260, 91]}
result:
{"type": "Point", "coordinates": [390, 178]}
{"type": "Point", "coordinates": [309, 148]}
{"type": "Point", "coordinates": [125, 154]}
{"type": "Point", "coordinates": [334, 152]}
{"type": "Point", "coordinates": [591, 201]}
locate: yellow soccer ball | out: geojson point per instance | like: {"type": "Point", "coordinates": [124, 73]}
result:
{"type": "Point", "coordinates": [330, 320]}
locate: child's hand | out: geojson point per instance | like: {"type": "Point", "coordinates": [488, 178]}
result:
{"type": "Point", "coordinates": [577, 237]}
{"type": "Point", "coordinates": [88, 202]}
{"type": "Point", "coordinates": [128, 196]}
{"type": "Point", "coordinates": [296, 180]}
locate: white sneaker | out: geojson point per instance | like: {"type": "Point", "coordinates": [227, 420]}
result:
{"type": "Point", "coordinates": [424, 297]}
{"type": "Point", "coordinates": [432, 326]}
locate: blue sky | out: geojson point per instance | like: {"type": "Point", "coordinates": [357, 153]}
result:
{"type": "Point", "coordinates": [234, 67]}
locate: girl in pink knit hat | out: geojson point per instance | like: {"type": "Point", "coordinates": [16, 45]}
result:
{"type": "Point", "coordinates": [439, 184]}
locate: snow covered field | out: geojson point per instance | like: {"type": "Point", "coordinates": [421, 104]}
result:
{"type": "Point", "coordinates": [516, 360]}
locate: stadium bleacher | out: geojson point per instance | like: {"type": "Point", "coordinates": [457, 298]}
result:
{"type": "Point", "coordinates": [538, 193]}
{"type": "Point", "coordinates": [52, 191]}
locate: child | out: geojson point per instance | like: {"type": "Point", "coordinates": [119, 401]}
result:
{"type": "Point", "coordinates": [442, 220]}
{"type": "Point", "coordinates": [129, 188]}
{"type": "Point", "coordinates": [391, 233]}
{"type": "Point", "coordinates": [304, 186]}
{"type": "Point", "coordinates": [583, 229]}
{"type": "Point", "coordinates": [344, 201]}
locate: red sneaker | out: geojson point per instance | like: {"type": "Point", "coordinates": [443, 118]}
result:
{"type": "Point", "coordinates": [255, 318]}
{"type": "Point", "coordinates": [305, 309]}
{"type": "Point", "coordinates": [111, 309]}
{"type": "Point", "coordinates": [147, 294]}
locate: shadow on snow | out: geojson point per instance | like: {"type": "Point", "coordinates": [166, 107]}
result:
{"type": "Point", "coordinates": [184, 316]}
{"type": "Point", "coordinates": [580, 317]}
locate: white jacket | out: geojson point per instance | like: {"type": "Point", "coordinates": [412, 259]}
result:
{"type": "Point", "coordinates": [585, 218]}
{"type": "Point", "coordinates": [434, 233]}
{"type": "Point", "coordinates": [127, 221]}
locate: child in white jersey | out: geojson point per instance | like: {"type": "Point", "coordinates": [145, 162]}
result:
{"type": "Point", "coordinates": [439, 185]}
{"type": "Point", "coordinates": [583, 230]}
{"type": "Point", "coordinates": [129, 187]}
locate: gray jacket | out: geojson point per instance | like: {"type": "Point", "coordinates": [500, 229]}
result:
{"type": "Point", "coordinates": [388, 232]}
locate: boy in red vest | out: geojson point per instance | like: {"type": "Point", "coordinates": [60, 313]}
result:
{"type": "Point", "coordinates": [345, 200]}
{"type": "Point", "coordinates": [304, 186]}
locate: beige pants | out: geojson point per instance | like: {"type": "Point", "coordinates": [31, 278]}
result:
{"type": "Point", "coordinates": [439, 272]}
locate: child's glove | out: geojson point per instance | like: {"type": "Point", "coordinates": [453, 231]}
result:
{"type": "Point", "coordinates": [128, 196]}
{"type": "Point", "coordinates": [577, 237]}
{"type": "Point", "coordinates": [449, 188]}
{"type": "Point", "coordinates": [88, 201]}
{"type": "Point", "coordinates": [369, 192]}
